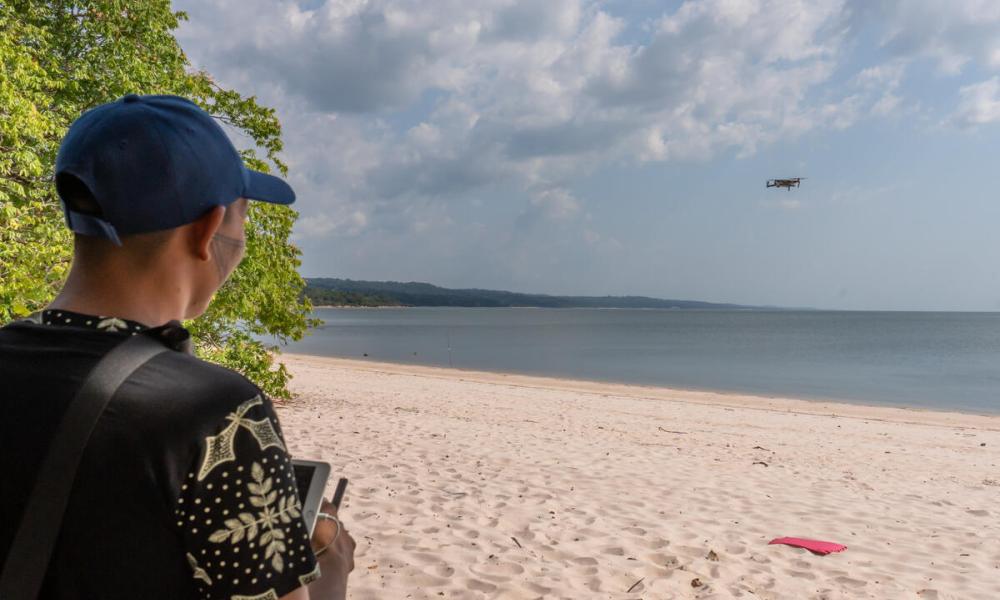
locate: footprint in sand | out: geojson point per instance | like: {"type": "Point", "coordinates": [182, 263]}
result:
{"type": "Point", "coordinates": [443, 570]}
{"type": "Point", "coordinates": [654, 544]}
{"type": "Point", "coordinates": [577, 573]}
{"type": "Point", "coordinates": [425, 558]}
{"type": "Point", "coordinates": [851, 581]}
{"type": "Point", "coordinates": [489, 522]}
{"type": "Point", "coordinates": [538, 589]}
{"type": "Point", "coordinates": [800, 574]}
{"type": "Point", "coordinates": [480, 586]}
{"type": "Point", "coordinates": [663, 560]}
{"type": "Point", "coordinates": [497, 571]}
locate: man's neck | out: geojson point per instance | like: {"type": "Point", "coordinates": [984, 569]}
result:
{"type": "Point", "coordinates": [149, 305]}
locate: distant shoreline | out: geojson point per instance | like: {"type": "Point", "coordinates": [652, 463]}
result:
{"type": "Point", "coordinates": [803, 403]}
{"type": "Point", "coordinates": [332, 292]}
{"type": "Point", "coordinates": [672, 308]}
{"type": "Point", "coordinates": [359, 306]}
{"type": "Point", "coordinates": [779, 403]}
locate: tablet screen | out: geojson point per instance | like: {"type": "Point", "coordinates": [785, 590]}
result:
{"type": "Point", "coordinates": [310, 479]}
{"type": "Point", "coordinates": [303, 477]}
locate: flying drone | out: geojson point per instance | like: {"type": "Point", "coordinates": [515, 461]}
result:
{"type": "Point", "coordinates": [788, 184]}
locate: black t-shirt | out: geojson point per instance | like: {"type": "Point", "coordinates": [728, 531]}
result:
{"type": "Point", "coordinates": [186, 487]}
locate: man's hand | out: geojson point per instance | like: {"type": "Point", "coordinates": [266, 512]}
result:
{"type": "Point", "coordinates": [336, 562]}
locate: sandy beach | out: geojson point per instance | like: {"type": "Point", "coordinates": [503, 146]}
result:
{"type": "Point", "coordinates": [479, 485]}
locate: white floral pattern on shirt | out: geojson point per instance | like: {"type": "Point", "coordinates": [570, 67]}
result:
{"type": "Point", "coordinates": [75, 319]}
{"type": "Point", "coordinates": [241, 521]}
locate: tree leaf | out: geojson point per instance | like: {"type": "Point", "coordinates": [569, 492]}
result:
{"type": "Point", "coordinates": [60, 59]}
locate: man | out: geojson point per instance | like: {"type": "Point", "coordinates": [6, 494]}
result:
{"type": "Point", "coordinates": [185, 489]}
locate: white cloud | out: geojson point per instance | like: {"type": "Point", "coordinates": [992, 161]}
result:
{"type": "Point", "coordinates": [952, 33]}
{"type": "Point", "coordinates": [524, 95]}
{"type": "Point", "coordinates": [958, 37]}
{"type": "Point", "coordinates": [557, 203]}
{"type": "Point", "coordinates": [978, 104]}
{"type": "Point", "coordinates": [882, 82]}
{"type": "Point", "coordinates": [347, 223]}
{"type": "Point", "coordinates": [396, 113]}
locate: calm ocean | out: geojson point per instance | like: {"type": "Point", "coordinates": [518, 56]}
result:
{"type": "Point", "coordinates": [930, 360]}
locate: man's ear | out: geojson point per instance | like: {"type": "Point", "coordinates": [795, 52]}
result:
{"type": "Point", "coordinates": [202, 230]}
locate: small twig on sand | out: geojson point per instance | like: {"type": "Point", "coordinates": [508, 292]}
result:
{"type": "Point", "coordinates": [634, 584]}
{"type": "Point", "coordinates": [516, 542]}
{"type": "Point", "coordinates": [669, 431]}
{"type": "Point", "coordinates": [761, 448]}
{"type": "Point", "coordinates": [760, 462]}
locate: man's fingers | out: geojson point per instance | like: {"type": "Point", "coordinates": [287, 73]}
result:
{"type": "Point", "coordinates": [328, 507]}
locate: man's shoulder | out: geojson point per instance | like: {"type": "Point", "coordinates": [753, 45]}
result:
{"type": "Point", "coordinates": [188, 384]}
{"type": "Point", "coordinates": [173, 387]}
{"type": "Point", "coordinates": [189, 370]}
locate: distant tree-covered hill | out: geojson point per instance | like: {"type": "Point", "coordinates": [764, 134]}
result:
{"type": "Point", "coordinates": [327, 297]}
{"type": "Point", "coordinates": [348, 292]}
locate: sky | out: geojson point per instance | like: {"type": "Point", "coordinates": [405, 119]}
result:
{"type": "Point", "coordinates": [621, 147]}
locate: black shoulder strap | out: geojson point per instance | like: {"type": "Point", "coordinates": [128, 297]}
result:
{"type": "Point", "coordinates": [29, 555]}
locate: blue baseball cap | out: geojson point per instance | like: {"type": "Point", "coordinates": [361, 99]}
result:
{"type": "Point", "coordinates": [152, 163]}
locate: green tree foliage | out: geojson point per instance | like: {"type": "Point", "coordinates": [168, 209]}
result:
{"type": "Point", "coordinates": [60, 58]}
{"type": "Point", "coordinates": [325, 297]}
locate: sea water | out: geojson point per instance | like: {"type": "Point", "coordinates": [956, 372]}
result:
{"type": "Point", "coordinates": [928, 360]}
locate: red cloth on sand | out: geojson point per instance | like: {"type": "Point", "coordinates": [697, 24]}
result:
{"type": "Point", "coordinates": [814, 546]}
